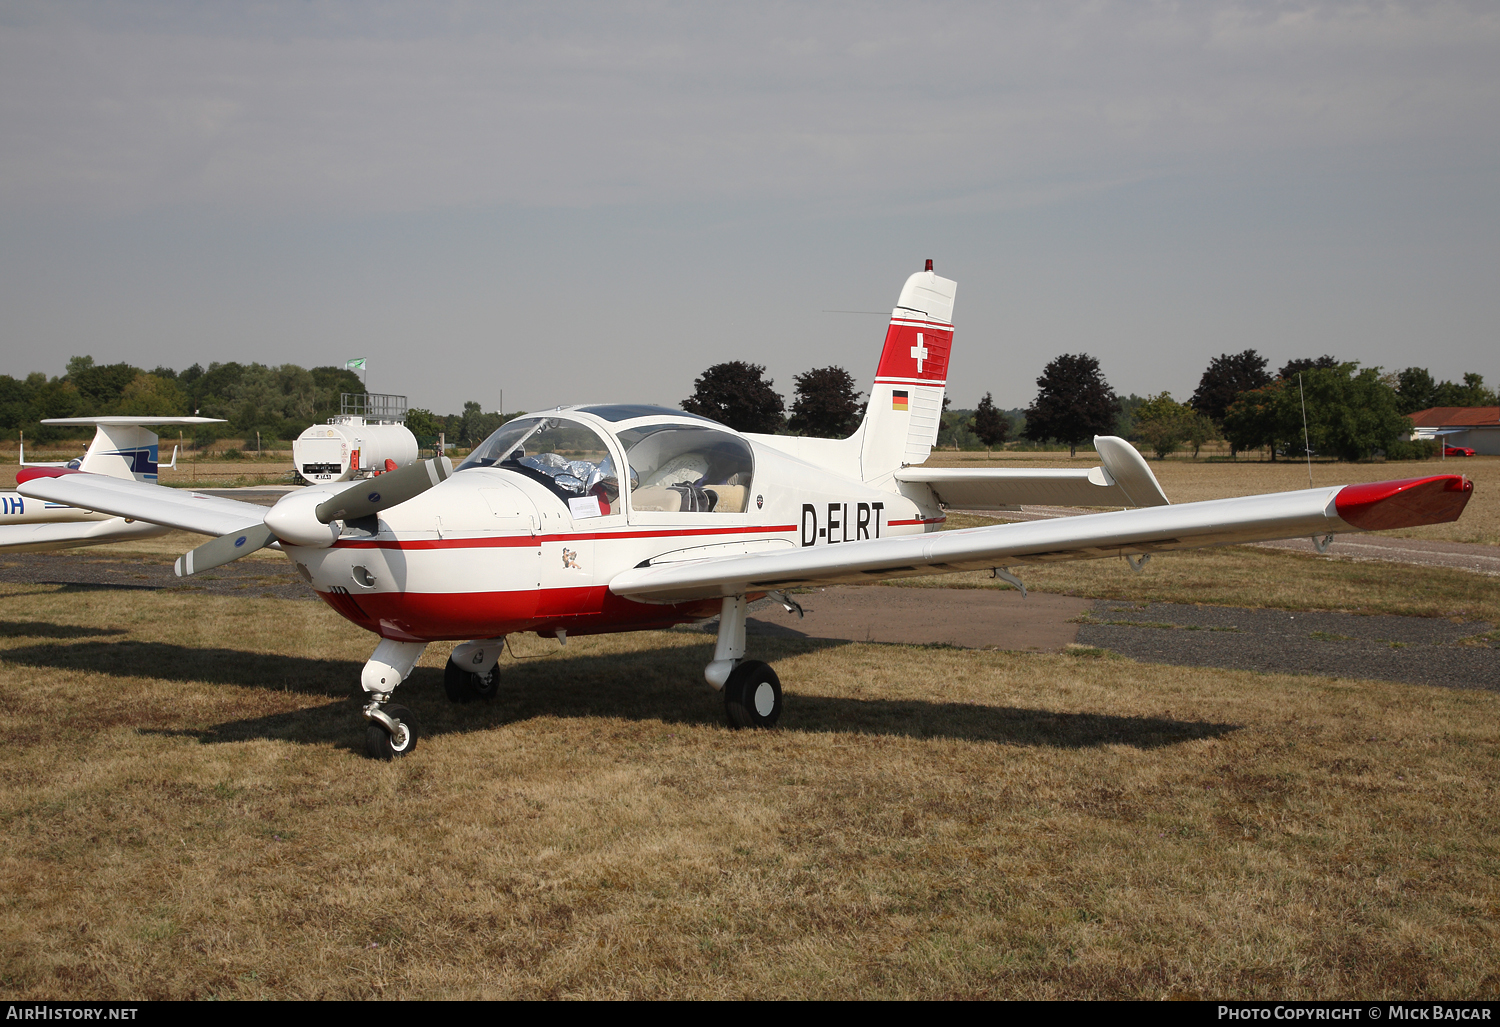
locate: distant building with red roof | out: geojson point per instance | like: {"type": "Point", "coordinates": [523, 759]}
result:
{"type": "Point", "coordinates": [1475, 427]}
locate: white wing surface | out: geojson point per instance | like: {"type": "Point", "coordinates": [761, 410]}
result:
{"type": "Point", "coordinates": [1312, 512]}
{"type": "Point", "coordinates": [142, 501]}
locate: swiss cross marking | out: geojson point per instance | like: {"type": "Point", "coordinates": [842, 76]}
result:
{"type": "Point", "coordinates": [920, 352]}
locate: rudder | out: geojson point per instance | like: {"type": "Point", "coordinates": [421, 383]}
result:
{"type": "Point", "coordinates": [906, 402]}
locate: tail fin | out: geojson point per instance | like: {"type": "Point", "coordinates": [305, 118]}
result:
{"type": "Point", "coordinates": [906, 401]}
{"type": "Point", "coordinates": [122, 451]}
{"type": "Point", "coordinates": [123, 447]}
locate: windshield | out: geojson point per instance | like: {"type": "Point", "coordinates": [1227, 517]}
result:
{"type": "Point", "coordinates": [568, 457]}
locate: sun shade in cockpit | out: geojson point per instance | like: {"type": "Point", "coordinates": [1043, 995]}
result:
{"type": "Point", "coordinates": [687, 469]}
{"type": "Point", "coordinates": [627, 411]}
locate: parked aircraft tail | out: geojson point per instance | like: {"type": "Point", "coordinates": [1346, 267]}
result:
{"type": "Point", "coordinates": [906, 402]}
{"type": "Point", "coordinates": [123, 447]}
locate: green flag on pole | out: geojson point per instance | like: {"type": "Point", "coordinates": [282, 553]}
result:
{"type": "Point", "coordinates": [357, 364]}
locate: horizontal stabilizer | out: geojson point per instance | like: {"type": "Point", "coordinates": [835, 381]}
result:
{"type": "Point", "coordinates": [1123, 479]}
{"type": "Point", "coordinates": [124, 421]}
{"type": "Point", "coordinates": [142, 501]}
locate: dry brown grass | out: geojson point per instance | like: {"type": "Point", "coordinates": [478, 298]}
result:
{"type": "Point", "coordinates": [1247, 576]}
{"type": "Point", "coordinates": [186, 815]}
{"type": "Point", "coordinates": [1188, 481]}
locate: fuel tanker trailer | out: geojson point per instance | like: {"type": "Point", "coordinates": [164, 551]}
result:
{"type": "Point", "coordinates": [349, 446]}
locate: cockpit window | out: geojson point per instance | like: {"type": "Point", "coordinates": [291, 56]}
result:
{"type": "Point", "coordinates": [687, 469]}
{"type": "Point", "coordinates": [626, 411]}
{"type": "Point", "coordinates": [568, 457]}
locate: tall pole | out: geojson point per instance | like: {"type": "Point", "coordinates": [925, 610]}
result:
{"type": "Point", "coordinates": [1306, 446]}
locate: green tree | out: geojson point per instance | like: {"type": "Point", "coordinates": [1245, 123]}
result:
{"type": "Point", "coordinates": [423, 423]}
{"type": "Point", "coordinates": [1226, 377]}
{"type": "Point", "coordinates": [1290, 369]}
{"type": "Point", "coordinates": [827, 404]}
{"type": "Point", "coordinates": [990, 424]}
{"type": "Point", "coordinates": [1073, 402]}
{"type": "Point", "coordinates": [476, 425]}
{"type": "Point", "coordinates": [1162, 423]}
{"type": "Point", "coordinates": [739, 395]}
{"type": "Point", "coordinates": [1198, 430]}
{"type": "Point", "coordinates": [1350, 412]}
{"type": "Point", "coordinates": [1415, 390]}
{"type": "Point", "coordinates": [1256, 418]}
{"type": "Point", "coordinates": [152, 395]}
{"type": "Point", "coordinates": [1471, 393]}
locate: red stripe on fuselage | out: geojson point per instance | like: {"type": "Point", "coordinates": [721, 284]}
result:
{"type": "Point", "coordinates": [508, 541]}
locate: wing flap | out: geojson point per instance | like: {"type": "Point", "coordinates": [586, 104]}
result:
{"type": "Point", "coordinates": [1310, 512]}
{"type": "Point", "coordinates": [143, 501]}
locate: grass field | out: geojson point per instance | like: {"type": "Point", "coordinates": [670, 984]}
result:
{"type": "Point", "coordinates": [187, 814]}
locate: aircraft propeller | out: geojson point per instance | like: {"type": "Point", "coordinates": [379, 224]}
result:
{"type": "Point", "coordinates": [305, 519]}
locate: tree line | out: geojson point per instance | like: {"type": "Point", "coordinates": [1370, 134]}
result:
{"type": "Point", "coordinates": [1351, 411]}
{"type": "Point", "coordinates": [1346, 411]}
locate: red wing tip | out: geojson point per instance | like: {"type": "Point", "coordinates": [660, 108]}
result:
{"type": "Point", "coordinates": [27, 473]}
{"type": "Point", "coordinates": [1404, 504]}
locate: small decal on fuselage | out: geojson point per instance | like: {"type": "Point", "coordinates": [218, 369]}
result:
{"type": "Point", "coordinates": [844, 522]}
{"type": "Point", "coordinates": [570, 559]}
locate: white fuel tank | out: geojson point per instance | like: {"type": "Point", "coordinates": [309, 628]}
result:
{"type": "Point", "coordinates": [348, 447]}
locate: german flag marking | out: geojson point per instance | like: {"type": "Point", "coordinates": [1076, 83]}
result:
{"type": "Point", "coordinates": [898, 400]}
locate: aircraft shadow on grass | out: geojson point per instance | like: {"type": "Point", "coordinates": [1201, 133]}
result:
{"type": "Point", "coordinates": [44, 629]}
{"type": "Point", "coordinates": [663, 685]}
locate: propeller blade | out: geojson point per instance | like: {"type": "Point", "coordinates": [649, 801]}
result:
{"type": "Point", "coordinates": [224, 549]}
{"type": "Point", "coordinates": [373, 494]}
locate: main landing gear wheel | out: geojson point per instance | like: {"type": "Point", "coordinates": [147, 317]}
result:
{"type": "Point", "coordinates": [381, 744]}
{"type": "Point", "coordinates": [752, 695]}
{"type": "Point", "coordinates": [464, 686]}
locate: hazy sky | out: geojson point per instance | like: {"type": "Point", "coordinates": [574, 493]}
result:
{"type": "Point", "coordinates": [577, 202]}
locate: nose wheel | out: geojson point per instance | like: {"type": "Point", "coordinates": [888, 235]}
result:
{"type": "Point", "coordinates": [392, 731]}
{"type": "Point", "coordinates": [752, 696]}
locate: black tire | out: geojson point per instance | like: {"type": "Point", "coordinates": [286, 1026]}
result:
{"type": "Point", "coordinates": [752, 696]}
{"type": "Point", "coordinates": [463, 686]}
{"type": "Point", "coordinates": [378, 742]}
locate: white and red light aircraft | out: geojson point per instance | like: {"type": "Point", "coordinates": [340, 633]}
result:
{"type": "Point", "coordinates": [604, 518]}
{"type": "Point", "coordinates": [123, 447]}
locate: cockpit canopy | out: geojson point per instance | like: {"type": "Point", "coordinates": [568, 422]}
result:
{"type": "Point", "coordinates": [671, 468]}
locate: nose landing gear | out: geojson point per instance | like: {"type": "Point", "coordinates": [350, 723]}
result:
{"type": "Point", "coordinates": [392, 731]}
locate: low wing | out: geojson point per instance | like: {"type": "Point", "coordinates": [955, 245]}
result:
{"type": "Point", "coordinates": [142, 501]}
{"type": "Point", "coordinates": [1122, 479]}
{"type": "Point", "coordinates": [1311, 512]}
